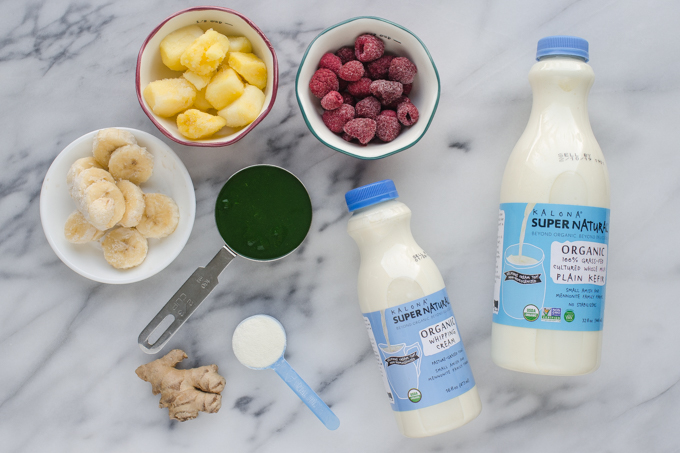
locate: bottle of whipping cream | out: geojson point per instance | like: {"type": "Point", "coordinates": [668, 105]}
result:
{"type": "Point", "coordinates": [553, 228]}
{"type": "Point", "coordinates": [408, 314]}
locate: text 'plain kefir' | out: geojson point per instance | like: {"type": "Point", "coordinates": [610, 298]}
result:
{"type": "Point", "coordinates": [408, 315]}
{"type": "Point", "coordinates": [553, 229]}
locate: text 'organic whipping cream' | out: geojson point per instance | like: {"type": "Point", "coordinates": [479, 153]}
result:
{"type": "Point", "coordinates": [408, 315]}
{"type": "Point", "coordinates": [553, 227]}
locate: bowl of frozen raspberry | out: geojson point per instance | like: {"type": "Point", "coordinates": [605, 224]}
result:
{"type": "Point", "coordinates": [367, 87]}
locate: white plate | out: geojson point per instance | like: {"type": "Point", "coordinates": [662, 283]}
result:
{"type": "Point", "coordinates": [170, 177]}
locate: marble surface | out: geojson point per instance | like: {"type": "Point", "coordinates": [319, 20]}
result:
{"type": "Point", "coordinates": [68, 345]}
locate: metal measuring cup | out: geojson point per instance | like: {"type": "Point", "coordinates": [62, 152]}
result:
{"type": "Point", "coordinates": [204, 279]}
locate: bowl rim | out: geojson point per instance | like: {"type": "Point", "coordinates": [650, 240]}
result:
{"type": "Point", "coordinates": [151, 116]}
{"type": "Point", "coordinates": [123, 280]}
{"type": "Point", "coordinates": [304, 115]}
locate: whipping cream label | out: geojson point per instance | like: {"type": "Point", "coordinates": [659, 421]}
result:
{"type": "Point", "coordinates": [551, 266]}
{"type": "Point", "coordinates": [420, 352]}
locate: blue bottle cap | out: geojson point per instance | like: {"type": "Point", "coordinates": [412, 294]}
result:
{"type": "Point", "coordinates": [371, 194]}
{"type": "Point", "coordinates": [562, 45]}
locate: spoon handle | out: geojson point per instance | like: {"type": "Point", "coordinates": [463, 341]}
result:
{"type": "Point", "coordinates": [306, 394]}
{"type": "Point", "coordinates": [185, 301]}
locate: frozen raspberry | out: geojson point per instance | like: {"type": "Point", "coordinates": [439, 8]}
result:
{"type": "Point", "coordinates": [379, 68]}
{"type": "Point", "coordinates": [346, 54]}
{"type": "Point", "coordinates": [332, 100]}
{"type": "Point", "coordinates": [387, 127]}
{"type": "Point", "coordinates": [335, 119]}
{"type": "Point", "coordinates": [390, 113]}
{"type": "Point", "coordinates": [330, 61]}
{"type": "Point", "coordinates": [362, 129]}
{"type": "Point", "coordinates": [368, 48]}
{"type": "Point", "coordinates": [346, 137]}
{"type": "Point", "coordinates": [368, 108]}
{"type": "Point", "coordinates": [323, 81]}
{"type": "Point", "coordinates": [394, 105]}
{"type": "Point", "coordinates": [348, 99]}
{"type": "Point", "coordinates": [407, 114]}
{"type": "Point", "coordinates": [351, 71]}
{"type": "Point", "coordinates": [407, 88]}
{"type": "Point", "coordinates": [361, 88]}
{"type": "Point", "coordinates": [402, 70]}
{"type": "Point", "coordinates": [386, 91]}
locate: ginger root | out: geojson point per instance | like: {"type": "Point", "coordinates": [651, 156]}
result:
{"type": "Point", "coordinates": [183, 392]}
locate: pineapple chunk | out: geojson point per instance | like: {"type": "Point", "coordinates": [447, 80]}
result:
{"type": "Point", "coordinates": [249, 67]}
{"type": "Point", "coordinates": [201, 103]}
{"type": "Point", "coordinates": [174, 45]}
{"type": "Point", "coordinates": [245, 109]}
{"type": "Point", "coordinates": [224, 88]}
{"type": "Point", "coordinates": [168, 97]}
{"type": "Point", "coordinates": [195, 124]}
{"type": "Point", "coordinates": [205, 54]}
{"type": "Point", "coordinates": [239, 44]}
{"type": "Point", "coordinates": [198, 81]}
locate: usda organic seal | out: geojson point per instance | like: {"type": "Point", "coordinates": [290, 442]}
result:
{"type": "Point", "coordinates": [531, 313]}
{"type": "Point", "coordinates": [414, 395]}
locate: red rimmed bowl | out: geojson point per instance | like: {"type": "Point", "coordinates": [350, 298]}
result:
{"type": "Point", "coordinates": [150, 67]}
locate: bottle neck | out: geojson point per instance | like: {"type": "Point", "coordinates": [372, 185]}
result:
{"type": "Point", "coordinates": [561, 84]}
{"type": "Point", "coordinates": [372, 224]}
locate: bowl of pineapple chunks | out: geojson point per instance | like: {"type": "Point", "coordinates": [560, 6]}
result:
{"type": "Point", "coordinates": [206, 76]}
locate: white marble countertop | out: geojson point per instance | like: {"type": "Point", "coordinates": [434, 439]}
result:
{"type": "Point", "coordinates": [69, 345]}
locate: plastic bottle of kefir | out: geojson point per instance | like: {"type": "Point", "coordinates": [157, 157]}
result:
{"type": "Point", "coordinates": [553, 230]}
{"type": "Point", "coordinates": [408, 314]}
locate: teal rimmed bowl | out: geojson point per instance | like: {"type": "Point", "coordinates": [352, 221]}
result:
{"type": "Point", "coordinates": [398, 41]}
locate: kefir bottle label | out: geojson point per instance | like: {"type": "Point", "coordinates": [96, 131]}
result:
{"type": "Point", "coordinates": [420, 352]}
{"type": "Point", "coordinates": [551, 268]}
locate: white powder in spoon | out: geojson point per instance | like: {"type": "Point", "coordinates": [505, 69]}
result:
{"type": "Point", "coordinates": [259, 341]}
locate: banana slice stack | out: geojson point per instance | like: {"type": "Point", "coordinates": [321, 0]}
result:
{"type": "Point", "coordinates": [111, 205]}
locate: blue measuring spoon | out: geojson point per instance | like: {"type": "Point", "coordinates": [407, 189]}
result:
{"type": "Point", "coordinates": [259, 343]}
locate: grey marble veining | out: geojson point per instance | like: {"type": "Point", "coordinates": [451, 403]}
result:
{"type": "Point", "coordinates": [68, 345]}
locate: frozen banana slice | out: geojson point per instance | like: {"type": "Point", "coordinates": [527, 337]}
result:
{"type": "Point", "coordinates": [161, 216]}
{"type": "Point", "coordinates": [80, 165]}
{"type": "Point", "coordinates": [134, 203]}
{"type": "Point", "coordinates": [103, 205]}
{"type": "Point", "coordinates": [79, 231]}
{"type": "Point", "coordinates": [107, 140]}
{"type": "Point", "coordinates": [124, 248]}
{"type": "Point", "coordinates": [85, 179]}
{"type": "Point", "coordinates": [131, 162]}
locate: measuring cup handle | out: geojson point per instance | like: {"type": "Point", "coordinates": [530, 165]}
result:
{"type": "Point", "coordinates": [185, 301]}
{"type": "Point", "coordinates": [306, 394]}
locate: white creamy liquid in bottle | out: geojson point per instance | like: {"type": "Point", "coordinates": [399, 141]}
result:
{"type": "Point", "coordinates": [519, 258]}
{"type": "Point", "coordinates": [396, 272]}
{"type": "Point", "coordinates": [556, 160]}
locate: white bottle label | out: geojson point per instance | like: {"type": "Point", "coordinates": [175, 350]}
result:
{"type": "Point", "coordinates": [551, 271]}
{"type": "Point", "coordinates": [423, 361]}
{"type": "Point", "coordinates": [499, 260]}
{"type": "Point", "coordinates": [371, 337]}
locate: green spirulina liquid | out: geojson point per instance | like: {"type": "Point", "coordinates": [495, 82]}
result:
{"type": "Point", "coordinates": [263, 212]}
